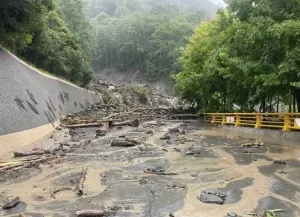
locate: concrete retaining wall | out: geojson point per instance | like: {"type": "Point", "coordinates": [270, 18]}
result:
{"type": "Point", "coordinates": [30, 99]}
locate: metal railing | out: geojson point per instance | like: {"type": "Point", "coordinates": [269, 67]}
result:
{"type": "Point", "coordinates": [284, 121]}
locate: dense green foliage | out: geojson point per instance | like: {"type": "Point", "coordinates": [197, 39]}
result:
{"type": "Point", "coordinates": [143, 35]}
{"type": "Point", "coordinates": [247, 56]}
{"type": "Point", "coordinates": [54, 35]}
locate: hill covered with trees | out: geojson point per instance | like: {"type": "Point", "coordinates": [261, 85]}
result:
{"type": "Point", "coordinates": [54, 35]}
{"type": "Point", "coordinates": [247, 56]}
{"type": "Point", "coordinates": [145, 35]}
{"type": "Point", "coordinates": [65, 36]}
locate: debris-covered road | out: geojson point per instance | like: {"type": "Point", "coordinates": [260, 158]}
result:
{"type": "Point", "coordinates": [144, 162]}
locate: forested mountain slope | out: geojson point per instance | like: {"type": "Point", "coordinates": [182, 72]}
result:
{"type": "Point", "coordinates": [247, 56]}
{"type": "Point", "coordinates": [145, 36]}
{"type": "Point", "coordinates": [54, 35]}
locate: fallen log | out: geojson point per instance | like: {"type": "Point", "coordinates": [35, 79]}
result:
{"type": "Point", "coordinates": [132, 123]}
{"type": "Point", "coordinates": [81, 181]}
{"type": "Point", "coordinates": [11, 163]}
{"type": "Point", "coordinates": [263, 213]}
{"type": "Point", "coordinates": [26, 154]}
{"type": "Point", "coordinates": [11, 203]}
{"type": "Point", "coordinates": [123, 143]}
{"type": "Point", "coordinates": [72, 126]}
{"type": "Point", "coordinates": [90, 213]}
{"type": "Point", "coordinates": [160, 173]}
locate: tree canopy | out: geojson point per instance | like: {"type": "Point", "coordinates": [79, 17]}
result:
{"type": "Point", "coordinates": [247, 56]}
{"type": "Point", "coordinates": [54, 35]}
{"type": "Point", "coordinates": [143, 35]}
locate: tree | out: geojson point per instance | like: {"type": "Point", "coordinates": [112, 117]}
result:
{"type": "Point", "coordinates": [247, 56]}
{"type": "Point", "coordinates": [36, 30]}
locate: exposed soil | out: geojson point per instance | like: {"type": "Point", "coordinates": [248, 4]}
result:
{"type": "Point", "coordinates": [194, 159]}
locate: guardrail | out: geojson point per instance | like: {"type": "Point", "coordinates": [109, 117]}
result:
{"type": "Point", "coordinates": [284, 121]}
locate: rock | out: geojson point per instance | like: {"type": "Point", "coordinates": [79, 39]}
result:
{"type": "Point", "coordinates": [151, 132]}
{"type": "Point", "coordinates": [165, 137]}
{"type": "Point", "coordinates": [192, 153]}
{"type": "Point", "coordinates": [174, 130]}
{"type": "Point", "coordinates": [279, 162]}
{"type": "Point", "coordinates": [212, 196]}
{"type": "Point", "coordinates": [11, 203]}
{"type": "Point", "coordinates": [73, 132]}
{"type": "Point", "coordinates": [171, 215]}
{"type": "Point", "coordinates": [252, 145]}
{"type": "Point", "coordinates": [231, 214]}
{"type": "Point", "coordinates": [156, 170]}
{"type": "Point", "coordinates": [58, 128]}
{"type": "Point", "coordinates": [100, 133]}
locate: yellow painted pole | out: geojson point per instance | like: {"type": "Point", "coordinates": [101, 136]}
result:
{"type": "Point", "coordinates": [287, 123]}
{"type": "Point", "coordinates": [258, 121]}
{"type": "Point", "coordinates": [224, 120]}
{"type": "Point", "coordinates": [213, 120]}
{"type": "Point", "coordinates": [237, 120]}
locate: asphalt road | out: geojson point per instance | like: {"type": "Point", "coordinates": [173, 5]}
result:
{"type": "Point", "coordinates": [29, 99]}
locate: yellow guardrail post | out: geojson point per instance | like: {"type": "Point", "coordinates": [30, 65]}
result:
{"type": "Point", "coordinates": [223, 120]}
{"type": "Point", "coordinates": [284, 121]}
{"type": "Point", "coordinates": [213, 119]}
{"type": "Point", "coordinates": [287, 123]}
{"type": "Point", "coordinates": [258, 121]}
{"type": "Point", "coordinates": [237, 120]}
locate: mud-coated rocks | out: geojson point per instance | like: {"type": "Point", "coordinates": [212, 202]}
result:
{"type": "Point", "coordinates": [231, 214]}
{"type": "Point", "coordinates": [12, 203]}
{"type": "Point", "coordinates": [212, 196]}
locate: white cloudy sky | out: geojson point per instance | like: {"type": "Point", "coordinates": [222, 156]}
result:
{"type": "Point", "coordinates": [219, 2]}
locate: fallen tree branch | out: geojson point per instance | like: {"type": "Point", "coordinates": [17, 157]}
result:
{"type": "Point", "coordinates": [132, 123]}
{"type": "Point", "coordinates": [90, 213]}
{"type": "Point", "coordinates": [72, 126]}
{"type": "Point", "coordinates": [160, 173]}
{"type": "Point", "coordinates": [263, 213]}
{"type": "Point", "coordinates": [123, 143]}
{"type": "Point", "coordinates": [59, 190]}
{"type": "Point", "coordinates": [81, 181]}
{"type": "Point", "coordinates": [26, 154]}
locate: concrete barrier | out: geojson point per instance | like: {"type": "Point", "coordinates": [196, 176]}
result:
{"type": "Point", "coordinates": [30, 99]}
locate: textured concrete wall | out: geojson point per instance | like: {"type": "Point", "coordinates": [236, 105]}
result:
{"type": "Point", "coordinates": [29, 99]}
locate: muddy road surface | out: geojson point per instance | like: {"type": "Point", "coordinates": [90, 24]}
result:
{"type": "Point", "coordinates": [173, 169]}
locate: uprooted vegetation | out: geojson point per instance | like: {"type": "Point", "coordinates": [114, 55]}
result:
{"type": "Point", "coordinates": [130, 95]}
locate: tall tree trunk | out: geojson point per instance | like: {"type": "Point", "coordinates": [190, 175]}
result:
{"type": "Point", "coordinates": [278, 101]}
{"type": "Point", "coordinates": [290, 105]}
{"type": "Point", "coordinates": [264, 105]}
{"type": "Point", "coordinates": [297, 98]}
{"type": "Point", "coordinates": [294, 101]}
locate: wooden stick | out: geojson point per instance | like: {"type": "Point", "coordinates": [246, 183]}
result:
{"type": "Point", "coordinates": [132, 123]}
{"type": "Point", "coordinates": [161, 173]}
{"type": "Point", "coordinates": [59, 190]}
{"type": "Point", "coordinates": [90, 213]}
{"type": "Point", "coordinates": [81, 181]}
{"type": "Point", "coordinates": [26, 154]}
{"type": "Point", "coordinates": [72, 126]}
{"type": "Point", "coordinates": [123, 143]}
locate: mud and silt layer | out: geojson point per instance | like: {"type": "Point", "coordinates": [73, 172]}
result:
{"type": "Point", "coordinates": [201, 160]}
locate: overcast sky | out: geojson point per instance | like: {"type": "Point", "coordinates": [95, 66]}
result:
{"type": "Point", "coordinates": [219, 2]}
